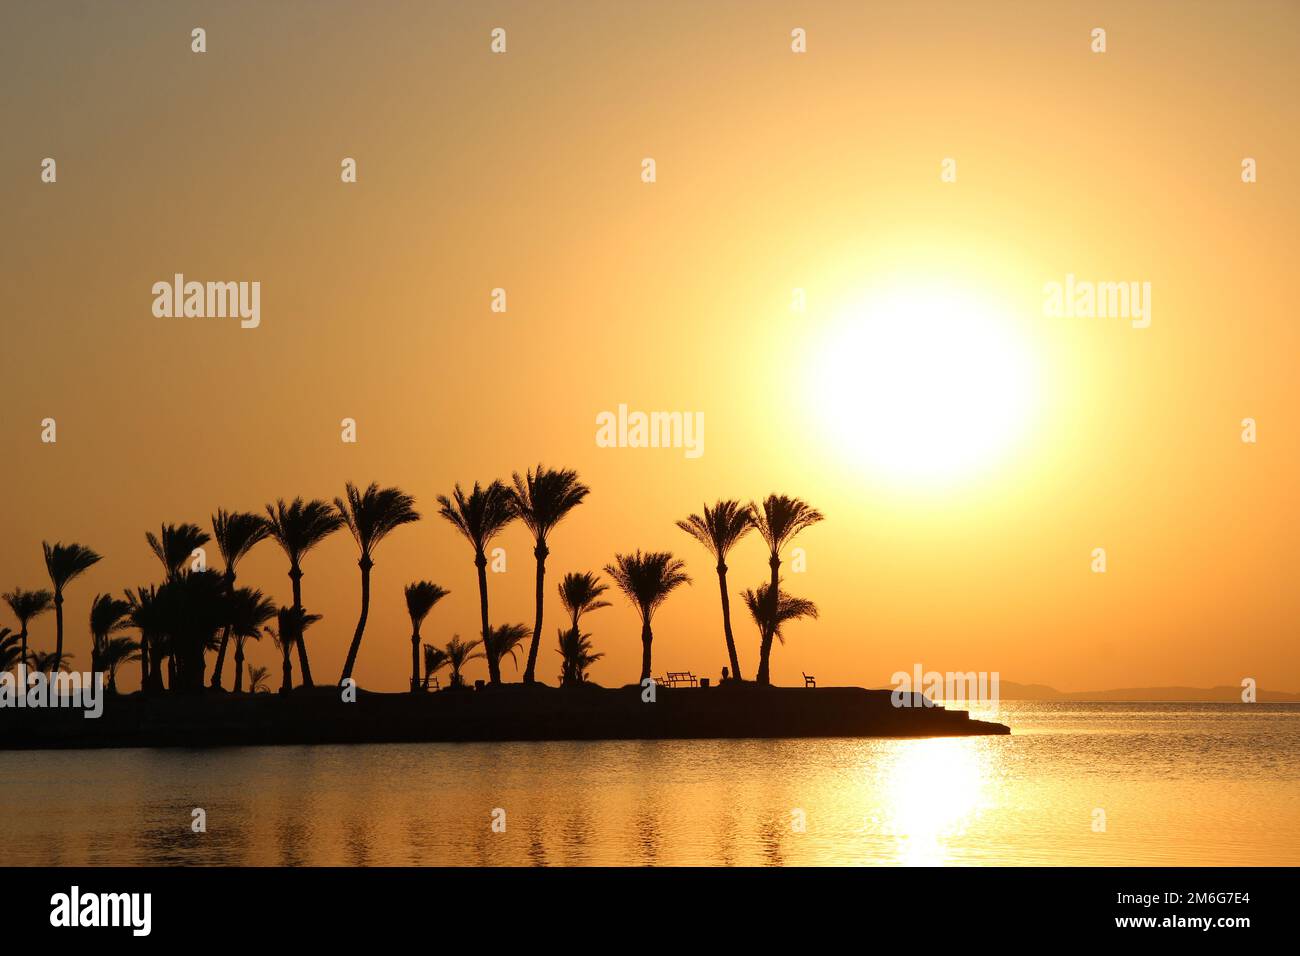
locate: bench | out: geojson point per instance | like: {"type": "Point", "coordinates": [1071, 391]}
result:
{"type": "Point", "coordinates": [681, 679]}
{"type": "Point", "coordinates": [809, 681]}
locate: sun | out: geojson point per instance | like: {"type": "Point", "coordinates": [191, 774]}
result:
{"type": "Point", "coordinates": [923, 384]}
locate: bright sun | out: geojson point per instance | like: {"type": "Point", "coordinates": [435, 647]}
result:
{"type": "Point", "coordinates": [923, 384]}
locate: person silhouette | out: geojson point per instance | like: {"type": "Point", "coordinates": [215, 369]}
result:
{"type": "Point", "coordinates": [725, 676]}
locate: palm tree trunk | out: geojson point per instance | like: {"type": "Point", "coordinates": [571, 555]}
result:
{"type": "Point", "coordinates": [23, 635]}
{"type": "Point", "coordinates": [541, 552]}
{"type": "Point", "coordinates": [769, 626]}
{"type": "Point", "coordinates": [286, 669]}
{"type": "Point", "coordinates": [225, 634]}
{"type": "Point", "coordinates": [58, 623]}
{"type": "Point", "coordinates": [295, 574]}
{"type": "Point", "coordinates": [415, 661]}
{"type": "Point", "coordinates": [647, 638]}
{"type": "Point", "coordinates": [494, 666]}
{"type": "Point", "coordinates": [365, 564]}
{"type": "Point", "coordinates": [239, 666]}
{"type": "Point", "coordinates": [144, 662]}
{"type": "Point", "coordinates": [726, 621]}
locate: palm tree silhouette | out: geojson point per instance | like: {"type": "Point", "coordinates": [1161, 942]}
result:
{"type": "Point", "coordinates": [116, 652]}
{"type": "Point", "coordinates": [421, 596]}
{"type": "Point", "coordinates": [247, 612]}
{"type": "Point", "coordinates": [257, 678]}
{"type": "Point", "coordinates": [576, 655]}
{"type": "Point", "coordinates": [370, 515]}
{"type": "Point", "coordinates": [542, 499]}
{"type": "Point", "coordinates": [502, 640]}
{"type": "Point", "coordinates": [580, 593]}
{"type": "Point", "coordinates": [64, 562]}
{"type": "Point", "coordinates": [480, 517]}
{"type": "Point", "coordinates": [435, 659]}
{"type": "Point", "coordinates": [146, 618]}
{"type": "Point", "coordinates": [291, 625]}
{"type": "Point", "coordinates": [719, 528]}
{"type": "Point", "coordinates": [297, 528]}
{"type": "Point", "coordinates": [175, 544]}
{"type": "Point", "coordinates": [236, 533]}
{"type": "Point", "coordinates": [47, 662]}
{"type": "Point", "coordinates": [458, 654]}
{"type": "Point", "coordinates": [788, 608]}
{"type": "Point", "coordinates": [193, 609]}
{"type": "Point", "coordinates": [108, 616]}
{"type": "Point", "coordinates": [11, 650]}
{"type": "Point", "coordinates": [26, 605]}
{"type": "Point", "coordinates": [778, 521]}
{"type": "Point", "coordinates": [647, 580]}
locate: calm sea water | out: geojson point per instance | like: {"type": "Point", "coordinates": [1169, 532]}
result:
{"type": "Point", "coordinates": [1075, 784]}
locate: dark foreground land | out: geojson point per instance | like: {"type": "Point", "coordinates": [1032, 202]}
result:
{"type": "Point", "coordinates": [512, 712]}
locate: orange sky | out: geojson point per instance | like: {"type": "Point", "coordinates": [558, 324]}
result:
{"type": "Point", "coordinates": [775, 171]}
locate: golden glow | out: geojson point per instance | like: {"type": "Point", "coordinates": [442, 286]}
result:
{"type": "Point", "coordinates": [923, 383]}
{"type": "Point", "coordinates": [932, 792]}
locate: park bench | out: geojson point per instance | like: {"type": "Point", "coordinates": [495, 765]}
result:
{"type": "Point", "coordinates": [809, 681]}
{"type": "Point", "coordinates": [681, 679]}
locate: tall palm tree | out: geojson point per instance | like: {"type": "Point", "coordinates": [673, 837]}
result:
{"type": "Point", "coordinates": [291, 625]}
{"type": "Point", "coordinates": [297, 528]}
{"type": "Point", "coordinates": [778, 520]}
{"type": "Point", "coordinates": [435, 659]}
{"type": "Point", "coordinates": [64, 562]}
{"type": "Point", "coordinates": [108, 616]}
{"type": "Point", "coordinates": [458, 654]}
{"type": "Point", "coordinates": [174, 544]}
{"type": "Point", "coordinates": [146, 618]}
{"type": "Point", "coordinates": [248, 612]}
{"type": "Point", "coordinates": [788, 608]}
{"type": "Point", "coordinates": [480, 517]}
{"type": "Point", "coordinates": [576, 655]}
{"type": "Point", "coordinates": [236, 533]}
{"type": "Point", "coordinates": [647, 580]}
{"type": "Point", "coordinates": [502, 640]}
{"type": "Point", "coordinates": [116, 652]}
{"type": "Point", "coordinates": [421, 596]}
{"type": "Point", "coordinates": [719, 528]}
{"type": "Point", "coordinates": [542, 498]}
{"type": "Point", "coordinates": [25, 606]}
{"type": "Point", "coordinates": [10, 650]}
{"type": "Point", "coordinates": [370, 515]}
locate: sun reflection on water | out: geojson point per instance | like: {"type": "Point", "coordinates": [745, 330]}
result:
{"type": "Point", "coordinates": [931, 790]}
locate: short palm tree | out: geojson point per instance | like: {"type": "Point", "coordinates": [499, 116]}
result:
{"type": "Point", "coordinates": [174, 545]}
{"type": "Point", "coordinates": [435, 659]}
{"type": "Point", "coordinates": [647, 580]}
{"type": "Point", "coordinates": [115, 652]}
{"type": "Point", "coordinates": [370, 515]}
{"type": "Point", "coordinates": [718, 529]}
{"type": "Point", "coordinates": [458, 654]}
{"type": "Point", "coordinates": [248, 612]}
{"type": "Point", "coordinates": [47, 662]}
{"type": "Point", "coordinates": [236, 532]}
{"type": "Point", "coordinates": [108, 616]}
{"type": "Point", "coordinates": [788, 608]}
{"type": "Point", "coordinates": [576, 655]}
{"type": "Point", "coordinates": [257, 679]}
{"type": "Point", "coordinates": [26, 605]}
{"type": "Point", "coordinates": [11, 651]}
{"type": "Point", "coordinates": [778, 520]}
{"type": "Point", "coordinates": [291, 625]}
{"type": "Point", "coordinates": [480, 516]}
{"type": "Point", "coordinates": [542, 498]}
{"type": "Point", "coordinates": [146, 618]}
{"type": "Point", "coordinates": [502, 640]}
{"type": "Point", "coordinates": [297, 528]}
{"type": "Point", "coordinates": [421, 596]}
{"type": "Point", "coordinates": [64, 562]}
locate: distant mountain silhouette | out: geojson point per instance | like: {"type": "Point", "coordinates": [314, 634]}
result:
{"type": "Point", "coordinates": [1221, 694]}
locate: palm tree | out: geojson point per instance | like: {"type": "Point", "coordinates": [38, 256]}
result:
{"type": "Point", "coordinates": [480, 517]}
{"type": "Point", "coordinates": [435, 659]}
{"type": "Point", "coordinates": [115, 652]}
{"type": "Point", "coordinates": [146, 618]}
{"type": "Point", "coordinates": [420, 599]}
{"type": "Point", "coordinates": [542, 498]}
{"type": "Point", "coordinates": [236, 533]}
{"type": "Point", "coordinates": [719, 529]}
{"type": "Point", "coordinates": [257, 680]}
{"type": "Point", "coordinates": [502, 640]}
{"type": "Point", "coordinates": [647, 580]}
{"type": "Point", "coordinates": [297, 528]}
{"type": "Point", "coordinates": [248, 612]}
{"type": "Point", "coordinates": [10, 650]}
{"type": "Point", "coordinates": [788, 608]}
{"type": "Point", "coordinates": [174, 545]}
{"type": "Point", "coordinates": [25, 606]}
{"type": "Point", "coordinates": [47, 662]}
{"type": "Point", "coordinates": [778, 521]}
{"type": "Point", "coordinates": [370, 515]}
{"type": "Point", "coordinates": [458, 654]}
{"type": "Point", "coordinates": [64, 562]}
{"type": "Point", "coordinates": [580, 593]}
{"type": "Point", "coordinates": [291, 625]}
{"type": "Point", "coordinates": [576, 654]}
{"type": "Point", "coordinates": [193, 608]}
{"type": "Point", "coordinates": [108, 616]}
